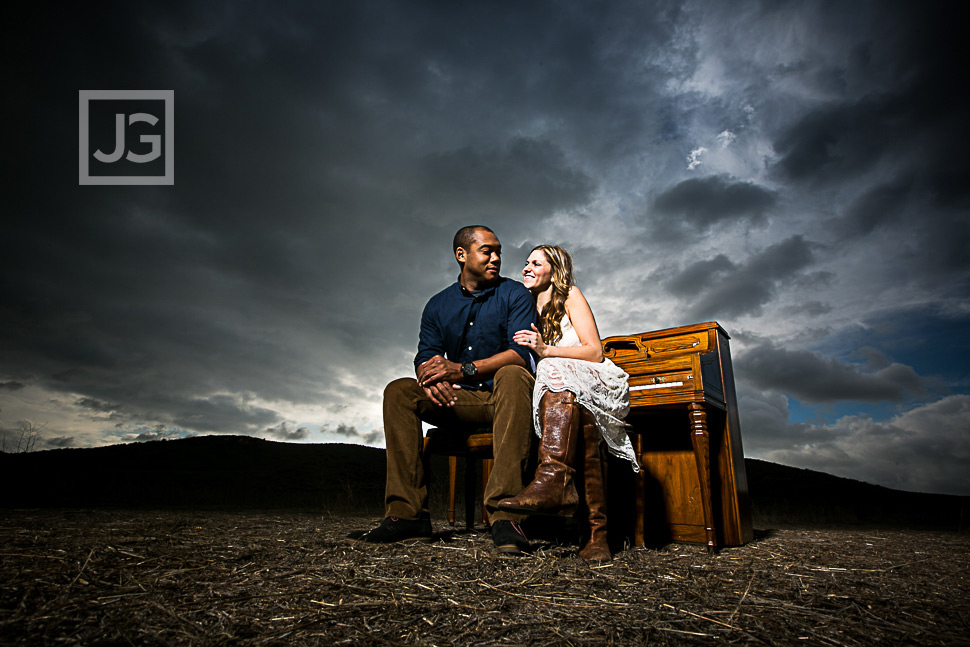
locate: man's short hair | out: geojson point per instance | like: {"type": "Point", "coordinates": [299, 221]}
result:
{"type": "Point", "coordinates": [466, 236]}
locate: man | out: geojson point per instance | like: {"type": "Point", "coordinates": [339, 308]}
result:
{"type": "Point", "coordinates": [468, 369]}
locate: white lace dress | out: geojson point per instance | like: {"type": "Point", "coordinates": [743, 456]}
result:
{"type": "Point", "coordinates": [602, 388]}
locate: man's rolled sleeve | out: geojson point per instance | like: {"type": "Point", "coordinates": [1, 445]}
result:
{"type": "Point", "coordinates": [430, 340]}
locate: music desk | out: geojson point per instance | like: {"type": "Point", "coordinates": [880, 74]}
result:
{"type": "Point", "coordinates": [694, 491]}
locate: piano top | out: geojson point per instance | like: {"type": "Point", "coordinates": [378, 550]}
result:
{"type": "Point", "coordinates": [673, 365]}
{"type": "Point", "coordinates": [678, 330]}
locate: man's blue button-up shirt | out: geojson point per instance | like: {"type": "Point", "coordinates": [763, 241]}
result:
{"type": "Point", "coordinates": [463, 326]}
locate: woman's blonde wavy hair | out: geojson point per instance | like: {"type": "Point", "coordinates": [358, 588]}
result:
{"type": "Point", "coordinates": [550, 319]}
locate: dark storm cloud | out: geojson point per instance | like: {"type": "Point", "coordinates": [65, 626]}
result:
{"type": "Point", "coordinates": [894, 215]}
{"type": "Point", "coordinates": [811, 377]}
{"type": "Point", "coordinates": [878, 206]}
{"type": "Point", "coordinates": [346, 430]}
{"type": "Point", "coordinates": [297, 159]}
{"type": "Point", "coordinates": [698, 204]}
{"type": "Point", "coordinates": [327, 152]}
{"type": "Point", "coordinates": [719, 287]}
{"type": "Point", "coordinates": [837, 142]}
{"type": "Point", "coordinates": [911, 451]}
{"type": "Point", "coordinates": [938, 253]}
{"type": "Point", "coordinates": [284, 433]}
{"type": "Point", "coordinates": [808, 308]}
{"type": "Point", "coordinates": [96, 405]}
{"type": "Point", "coordinates": [350, 433]}
{"type": "Point", "coordinates": [60, 442]}
{"type": "Point", "coordinates": [222, 414]}
{"type": "Point", "coordinates": [526, 177]}
{"type": "Point", "coordinates": [913, 117]}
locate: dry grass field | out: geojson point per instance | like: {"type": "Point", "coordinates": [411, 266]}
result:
{"type": "Point", "coordinates": [96, 577]}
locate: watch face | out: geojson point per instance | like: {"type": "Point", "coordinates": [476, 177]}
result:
{"type": "Point", "coordinates": [469, 369]}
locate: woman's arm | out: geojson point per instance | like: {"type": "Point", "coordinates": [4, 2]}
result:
{"type": "Point", "coordinates": [581, 316]}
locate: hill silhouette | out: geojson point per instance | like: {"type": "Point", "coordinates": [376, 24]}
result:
{"type": "Point", "coordinates": [240, 472]}
{"type": "Point", "coordinates": [201, 472]}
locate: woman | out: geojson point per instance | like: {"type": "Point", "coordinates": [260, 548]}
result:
{"type": "Point", "coordinates": [580, 399]}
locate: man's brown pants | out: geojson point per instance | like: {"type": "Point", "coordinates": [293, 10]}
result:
{"type": "Point", "coordinates": [508, 407]}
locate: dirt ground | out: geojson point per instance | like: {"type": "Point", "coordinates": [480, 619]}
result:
{"type": "Point", "coordinates": [223, 578]}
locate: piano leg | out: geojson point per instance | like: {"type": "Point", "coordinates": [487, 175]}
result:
{"type": "Point", "coordinates": [700, 438]}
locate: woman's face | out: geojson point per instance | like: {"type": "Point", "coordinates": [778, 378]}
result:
{"type": "Point", "coordinates": [537, 273]}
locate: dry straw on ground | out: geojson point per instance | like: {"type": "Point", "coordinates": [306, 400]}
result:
{"type": "Point", "coordinates": [220, 578]}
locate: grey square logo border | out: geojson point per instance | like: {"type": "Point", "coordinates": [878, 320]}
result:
{"type": "Point", "coordinates": [84, 177]}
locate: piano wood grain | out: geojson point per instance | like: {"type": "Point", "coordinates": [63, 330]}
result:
{"type": "Point", "coordinates": [695, 461]}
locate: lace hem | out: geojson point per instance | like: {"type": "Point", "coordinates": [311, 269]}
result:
{"type": "Point", "coordinates": [602, 388]}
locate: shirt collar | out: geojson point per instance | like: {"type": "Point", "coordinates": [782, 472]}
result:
{"type": "Point", "coordinates": [473, 295]}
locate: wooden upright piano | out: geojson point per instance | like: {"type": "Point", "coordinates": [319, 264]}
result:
{"type": "Point", "coordinates": [691, 490]}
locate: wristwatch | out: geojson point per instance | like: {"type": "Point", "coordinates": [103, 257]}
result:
{"type": "Point", "coordinates": [468, 369]}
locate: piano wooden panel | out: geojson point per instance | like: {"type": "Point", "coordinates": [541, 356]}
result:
{"type": "Point", "coordinates": [692, 486]}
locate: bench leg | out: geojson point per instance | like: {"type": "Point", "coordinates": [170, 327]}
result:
{"type": "Point", "coordinates": [452, 482]}
{"type": "Point", "coordinates": [486, 473]}
{"type": "Point", "coordinates": [470, 486]}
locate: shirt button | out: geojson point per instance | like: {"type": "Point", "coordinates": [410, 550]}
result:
{"type": "Point", "coordinates": [469, 348]}
{"type": "Point", "coordinates": [471, 323]}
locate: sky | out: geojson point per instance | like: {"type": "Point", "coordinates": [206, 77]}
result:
{"type": "Point", "coordinates": [795, 170]}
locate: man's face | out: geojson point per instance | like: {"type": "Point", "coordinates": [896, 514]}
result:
{"type": "Point", "coordinates": [484, 258]}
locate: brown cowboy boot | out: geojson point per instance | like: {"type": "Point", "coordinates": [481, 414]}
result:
{"type": "Point", "coordinates": [593, 492]}
{"type": "Point", "coordinates": [552, 491]}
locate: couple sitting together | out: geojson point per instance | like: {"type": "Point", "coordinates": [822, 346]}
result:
{"type": "Point", "coordinates": [480, 339]}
